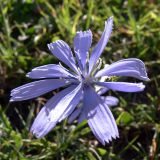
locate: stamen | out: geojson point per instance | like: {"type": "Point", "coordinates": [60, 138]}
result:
{"type": "Point", "coordinates": [96, 67]}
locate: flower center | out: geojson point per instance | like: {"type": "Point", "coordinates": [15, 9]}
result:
{"type": "Point", "coordinates": [87, 80]}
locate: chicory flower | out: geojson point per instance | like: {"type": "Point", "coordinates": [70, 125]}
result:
{"type": "Point", "coordinates": [79, 97]}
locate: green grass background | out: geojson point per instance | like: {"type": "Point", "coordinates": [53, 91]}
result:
{"type": "Point", "coordinates": [26, 26]}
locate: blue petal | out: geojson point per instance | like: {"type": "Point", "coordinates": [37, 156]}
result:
{"type": "Point", "coordinates": [130, 67]}
{"type": "Point", "coordinates": [50, 71]}
{"type": "Point", "coordinates": [56, 109]}
{"type": "Point", "coordinates": [37, 88]}
{"type": "Point", "coordinates": [74, 115]}
{"type": "Point", "coordinates": [82, 43]}
{"type": "Point", "coordinates": [82, 115]}
{"type": "Point", "coordinates": [102, 91]}
{"type": "Point", "coordinates": [69, 102]}
{"type": "Point", "coordinates": [110, 100]}
{"type": "Point", "coordinates": [62, 51]}
{"type": "Point", "coordinates": [99, 116]}
{"type": "Point", "coordinates": [97, 51]}
{"type": "Point", "coordinates": [123, 86]}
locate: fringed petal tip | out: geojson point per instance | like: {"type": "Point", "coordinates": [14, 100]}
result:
{"type": "Point", "coordinates": [109, 20]}
{"type": "Point", "coordinates": [109, 24]}
{"type": "Point", "coordinates": [110, 100]}
{"type": "Point", "coordinates": [108, 139]}
{"type": "Point", "coordinates": [146, 79]}
{"type": "Point", "coordinates": [35, 133]}
{"type": "Point", "coordinates": [27, 75]}
{"type": "Point", "coordinates": [11, 100]}
{"type": "Point", "coordinates": [111, 138]}
{"type": "Point", "coordinates": [141, 86]}
{"type": "Point", "coordinates": [84, 33]}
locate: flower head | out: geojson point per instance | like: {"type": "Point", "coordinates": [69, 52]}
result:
{"type": "Point", "coordinates": [79, 98]}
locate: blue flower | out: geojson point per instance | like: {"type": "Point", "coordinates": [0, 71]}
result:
{"type": "Point", "coordinates": [79, 99]}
